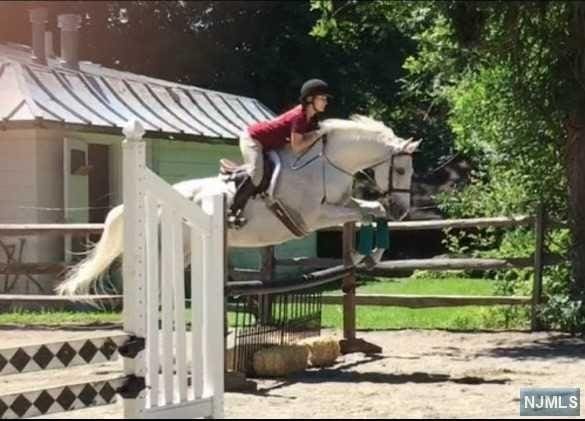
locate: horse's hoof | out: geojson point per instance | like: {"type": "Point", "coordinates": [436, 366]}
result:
{"type": "Point", "coordinates": [369, 263]}
{"type": "Point", "coordinates": [235, 222]}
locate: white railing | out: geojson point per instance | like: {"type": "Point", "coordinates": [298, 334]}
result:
{"type": "Point", "coordinates": [164, 232]}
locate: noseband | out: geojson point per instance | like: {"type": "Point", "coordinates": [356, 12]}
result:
{"type": "Point", "coordinates": [374, 185]}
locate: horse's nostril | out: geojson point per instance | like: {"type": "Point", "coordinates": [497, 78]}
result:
{"type": "Point", "coordinates": [397, 212]}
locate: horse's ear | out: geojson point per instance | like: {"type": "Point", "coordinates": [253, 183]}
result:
{"type": "Point", "coordinates": [412, 146]}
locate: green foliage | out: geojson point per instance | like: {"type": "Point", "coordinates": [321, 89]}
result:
{"type": "Point", "coordinates": [500, 69]}
{"type": "Point", "coordinates": [463, 318]}
{"type": "Point", "coordinates": [389, 81]}
{"type": "Point", "coordinates": [517, 162]}
{"type": "Point", "coordinates": [564, 313]}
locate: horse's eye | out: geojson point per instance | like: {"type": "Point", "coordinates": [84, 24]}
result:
{"type": "Point", "coordinates": [400, 171]}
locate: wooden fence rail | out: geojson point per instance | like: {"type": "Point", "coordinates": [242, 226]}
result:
{"type": "Point", "coordinates": [387, 268]}
{"type": "Point", "coordinates": [497, 222]}
{"type": "Point", "coordinates": [18, 230]}
{"type": "Point", "coordinates": [52, 268]}
{"type": "Point", "coordinates": [428, 301]}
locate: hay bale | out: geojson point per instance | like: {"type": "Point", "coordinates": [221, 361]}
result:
{"type": "Point", "coordinates": [323, 352]}
{"type": "Point", "coordinates": [280, 361]}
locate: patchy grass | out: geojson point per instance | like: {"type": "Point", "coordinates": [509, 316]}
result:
{"type": "Point", "coordinates": [456, 318]}
{"type": "Point", "coordinates": [59, 318]}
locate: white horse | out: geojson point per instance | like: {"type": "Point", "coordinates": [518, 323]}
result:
{"type": "Point", "coordinates": [315, 188]}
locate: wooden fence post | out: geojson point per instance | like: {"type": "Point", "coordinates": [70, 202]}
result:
{"type": "Point", "coordinates": [350, 343]}
{"type": "Point", "coordinates": [539, 231]}
{"type": "Point", "coordinates": [267, 277]}
{"type": "Point", "coordinates": [349, 312]}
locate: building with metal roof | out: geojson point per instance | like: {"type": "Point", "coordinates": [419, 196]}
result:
{"type": "Point", "coordinates": [100, 99]}
{"type": "Point", "coordinates": [61, 123]}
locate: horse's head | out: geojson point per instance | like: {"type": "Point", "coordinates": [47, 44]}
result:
{"type": "Point", "coordinates": [393, 174]}
{"type": "Point", "coordinates": [364, 143]}
{"type": "Point", "coordinates": [393, 179]}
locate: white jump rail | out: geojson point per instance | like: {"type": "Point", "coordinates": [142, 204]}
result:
{"type": "Point", "coordinates": [181, 365]}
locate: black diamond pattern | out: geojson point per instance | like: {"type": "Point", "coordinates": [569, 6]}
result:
{"type": "Point", "coordinates": [66, 354]}
{"type": "Point", "coordinates": [107, 393]}
{"type": "Point", "coordinates": [44, 402]}
{"type": "Point", "coordinates": [87, 395]}
{"type": "Point", "coordinates": [66, 398]}
{"type": "Point", "coordinates": [43, 357]}
{"type": "Point", "coordinates": [20, 359]}
{"type": "Point", "coordinates": [3, 409]}
{"type": "Point", "coordinates": [3, 362]}
{"type": "Point", "coordinates": [88, 351]}
{"type": "Point", "coordinates": [20, 405]}
{"type": "Point", "coordinates": [109, 348]}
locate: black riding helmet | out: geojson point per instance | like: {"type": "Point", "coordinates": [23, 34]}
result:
{"type": "Point", "coordinates": [314, 87]}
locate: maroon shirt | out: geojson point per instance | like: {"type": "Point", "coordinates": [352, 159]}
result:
{"type": "Point", "coordinates": [275, 133]}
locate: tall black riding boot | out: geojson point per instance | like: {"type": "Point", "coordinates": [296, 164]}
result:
{"type": "Point", "coordinates": [243, 193]}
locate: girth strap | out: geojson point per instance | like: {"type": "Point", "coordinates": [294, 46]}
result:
{"type": "Point", "coordinates": [282, 214]}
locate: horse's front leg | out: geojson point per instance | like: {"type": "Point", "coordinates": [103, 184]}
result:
{"type": "Point", "coordinates": [332, 215]}
{"type": "Point", "coordinates": [370, 209]}
{"type": "Point", "coordinates": [358, 210]}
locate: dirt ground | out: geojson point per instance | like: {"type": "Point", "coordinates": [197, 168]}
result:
{"type": "Point", "coordinates": [420, 374]}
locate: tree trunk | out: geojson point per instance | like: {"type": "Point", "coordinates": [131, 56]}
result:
{"type": "Point", "coordinates": [576, 182]}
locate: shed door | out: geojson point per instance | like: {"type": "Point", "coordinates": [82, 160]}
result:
{"type": "Point", "coordinates": [99, 182]}
{"type": "Point", "coordinates": [76, 185]}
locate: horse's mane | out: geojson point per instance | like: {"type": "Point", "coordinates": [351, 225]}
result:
{"type": "Point", "coordinates": [360, 125]}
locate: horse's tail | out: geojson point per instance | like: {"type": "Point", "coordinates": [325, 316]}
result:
{"type": "Point", "coordinates": [81, 277]}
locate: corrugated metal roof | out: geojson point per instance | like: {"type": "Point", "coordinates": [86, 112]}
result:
{"type": "Point", "coordinates": [98, 97]}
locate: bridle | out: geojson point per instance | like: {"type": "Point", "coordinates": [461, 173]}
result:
{"type": "Point", "coordinates": [374, 185]}
{"type": "Point", "coordinates": [323, 154]}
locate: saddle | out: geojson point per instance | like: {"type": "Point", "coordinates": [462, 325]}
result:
{"type": "Point", "coordinates": [232, 171]}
